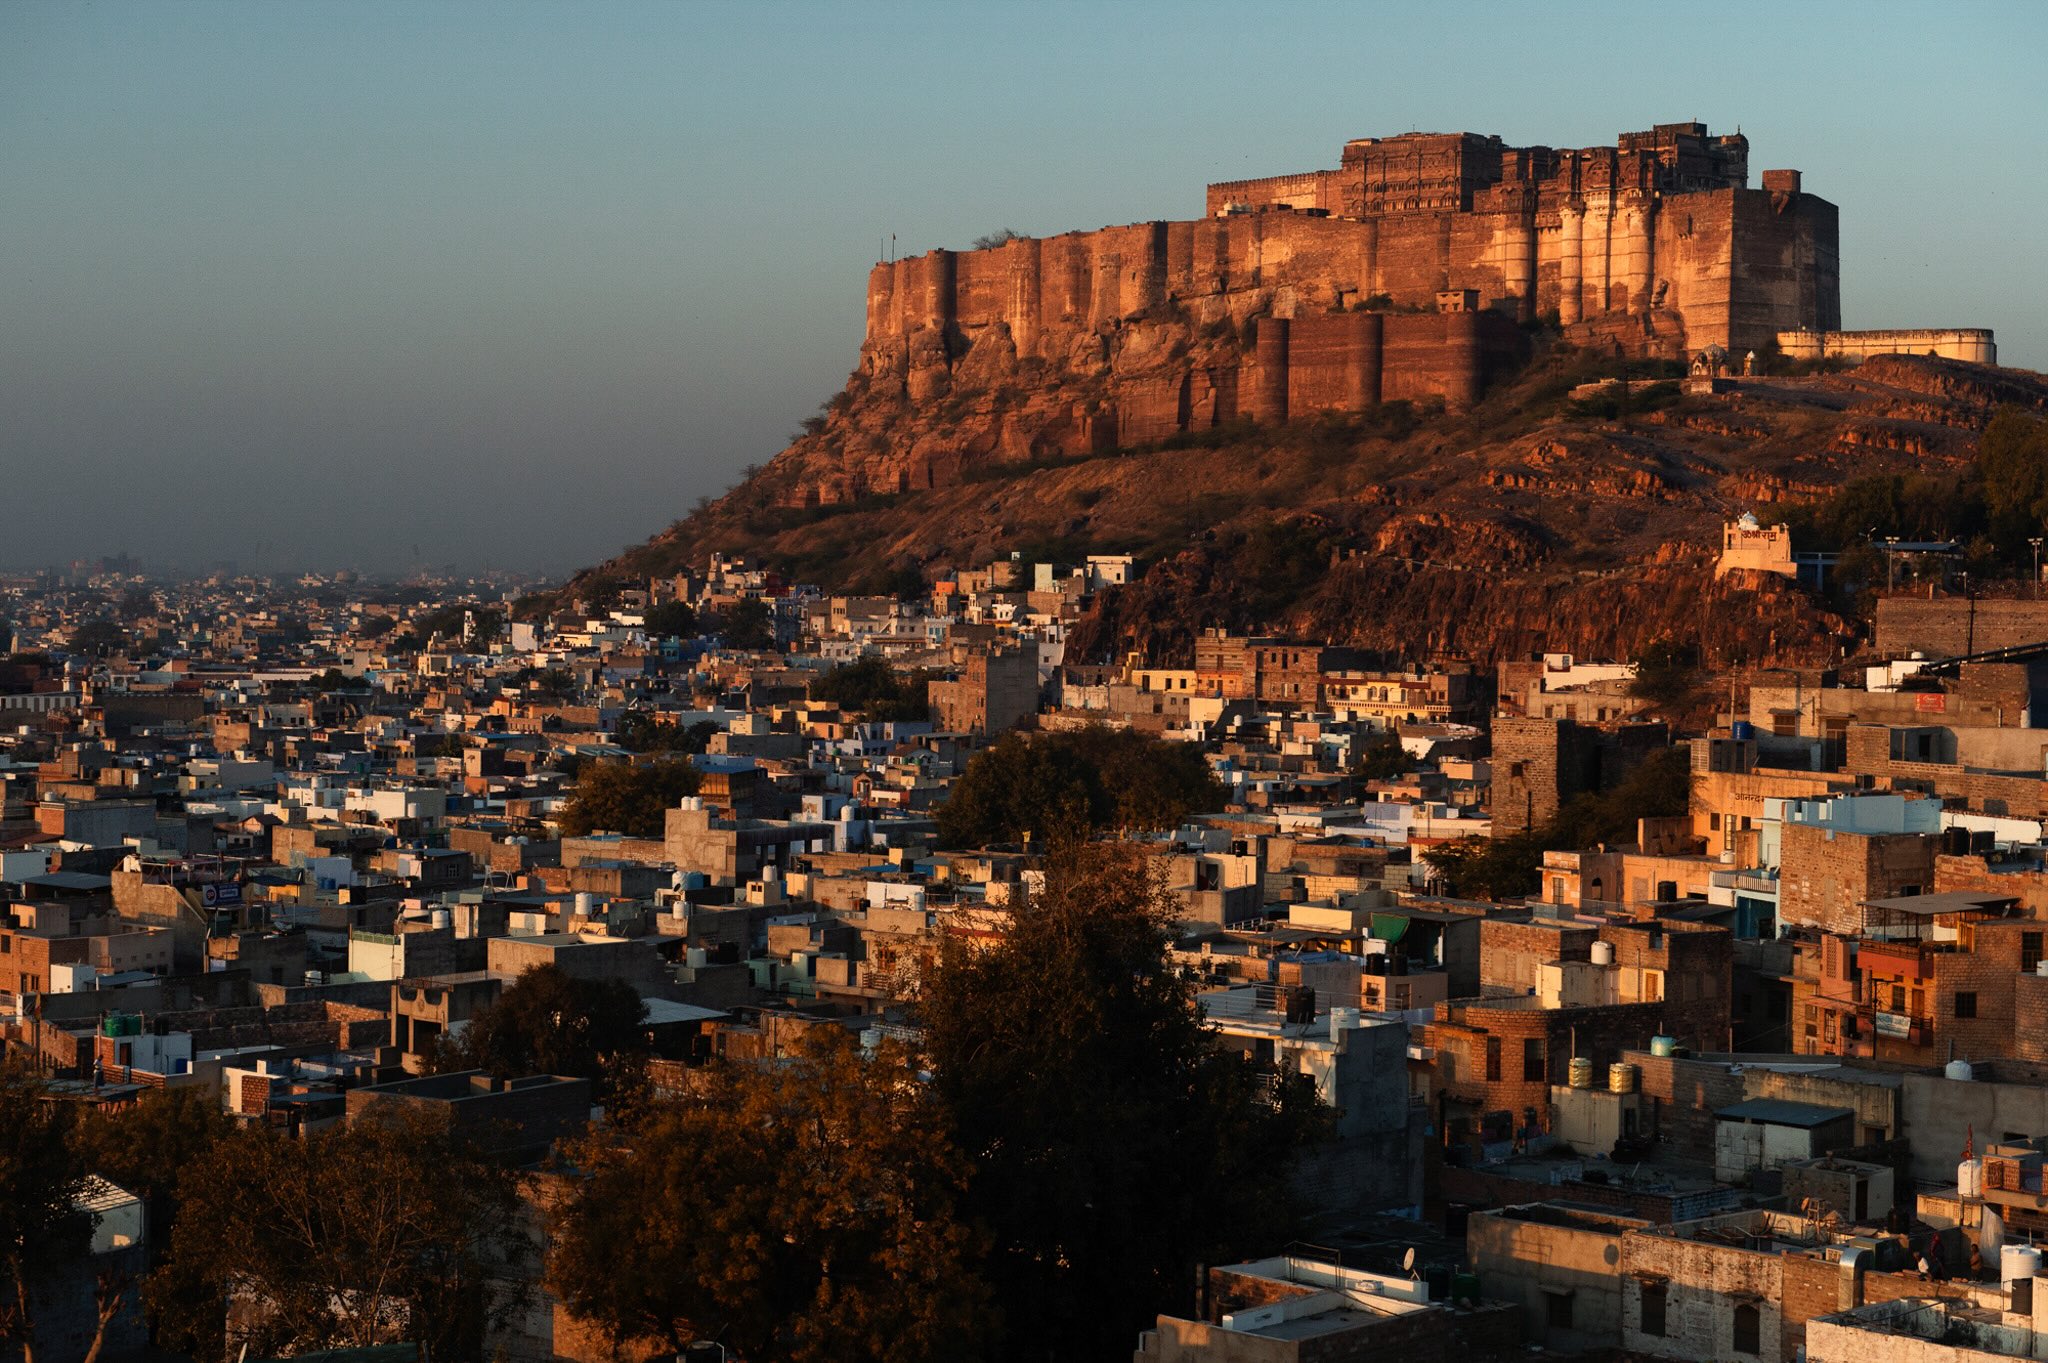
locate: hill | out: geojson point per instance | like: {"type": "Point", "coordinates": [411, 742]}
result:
{"type": "Point", "coordinates": [1530, 521]}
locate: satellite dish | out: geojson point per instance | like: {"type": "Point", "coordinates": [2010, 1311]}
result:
{"type": "Point", "coordinates": [1408, 1260]}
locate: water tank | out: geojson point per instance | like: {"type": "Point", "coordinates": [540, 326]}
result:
{"type": "Point", "coordinates": [2016, 1263]}
{"type": "Point", "coordinates": [696, 958]}
{"type": "Point", "coordinates": [1743, 730]}
{"type": "Point", "coordinates": [1621, 1077]}
{"type": "Point", "coordinates": [1603, 953]}
{"type": "Point", "coordinates": [769, 875]}
{"type": "Point", "coordinates": [441, 920]}
{"type": "Point", "coordinates": [1663, 1045]}
{"type": "Point", "coordinates": [586, 904]}
{"type": "Point", "coordinates": [1581, 1071]}
{"type": "Point", "coordinates": [1958, 1069]}
{"type": "Point", "coordinates": [1970, 1178]}
{"type": "Point", "coordinates": [1343, 1020]}
{"type": "Point", "coordinates": [871, 1039]}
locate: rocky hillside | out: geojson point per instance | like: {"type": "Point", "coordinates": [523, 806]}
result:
{"type": "Point", "coordinates": [1531, 521]}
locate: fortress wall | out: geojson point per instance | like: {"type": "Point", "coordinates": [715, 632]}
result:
{"type": "Point", "coordinates": [1786, 266]}
{"type": "Point", "coordinates": [1975, 345]}
{"type": "Point", "coordinates": [1310, 189]}
{"type": "Point", "coordinates": [1695, 256]}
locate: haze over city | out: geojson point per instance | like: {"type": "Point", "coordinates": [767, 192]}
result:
{"type": "Point", "coordinates": [512, 286]}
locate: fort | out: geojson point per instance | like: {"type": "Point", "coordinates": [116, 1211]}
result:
{"type": "Point", "coordinates": [1655, 245]}
{"type": "Point", "coordinates": [1422, 267]}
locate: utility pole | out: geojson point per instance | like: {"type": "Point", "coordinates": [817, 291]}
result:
{"type": "Point", "coordinates": [1891, 549]}
{"type": "Point", "coordinates": [2035, 545]}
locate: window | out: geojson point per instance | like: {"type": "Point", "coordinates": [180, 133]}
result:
{"type": "Point", "coordinates": [2030, 952]}
{"type": "Point", "coordinates": [1653, 1310]}
{"type": "Point", "coordinates": [1558, 1310]}
{"type": "Point", "coordinates": [1532, 1059]}
{"type": "Point", "coordinates": [1492, 1059]}
{"type": "Point", "coordinates": [1748, 1328]}
{"type": "Point", "coordinates": [1966, 1004]}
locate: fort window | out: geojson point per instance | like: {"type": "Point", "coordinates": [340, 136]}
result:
{"type": "Point", "coordinates": [1748, 1328]}
{"type": "Point", "coordinates": [1966, 1004]}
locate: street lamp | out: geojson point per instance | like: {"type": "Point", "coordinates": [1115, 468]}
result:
{"type": "Point", "coordinates": [2035, 545]}
{"type": "Point", "coordinates": [1891, 548]}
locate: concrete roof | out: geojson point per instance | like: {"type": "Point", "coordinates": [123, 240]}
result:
{"type": "Point", "coordinates": [1783, 1112]}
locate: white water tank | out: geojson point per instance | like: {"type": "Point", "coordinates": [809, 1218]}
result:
{"type": "Point", "coordinates": [871, 1039]}
{"type": "Point", "coordinates": [2018, 1262]}
{"type": "Point", "coordinates": [441, 919]}
{"type": "Point", "coordinates": [1970, 1178]}
{"type": "Point", "coordinates": [1958, 1069]}
{"type": "Point", "coordinates": [1343, 1020]}
{"type": "Point", "coordinates": [1603, 953]}
{"type": "Point", "coordinates": [696, 958]}
{"type": "Point", "coordinates": [586, 904]}
{"type": "Point", "coordinates": [769, 875]}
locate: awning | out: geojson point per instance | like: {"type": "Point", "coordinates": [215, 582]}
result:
{"type": "Point", "coordinates": [1389, 927]}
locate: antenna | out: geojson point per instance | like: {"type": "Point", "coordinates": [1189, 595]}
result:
{"type": "Point", "coordinates": [1408, 1261]}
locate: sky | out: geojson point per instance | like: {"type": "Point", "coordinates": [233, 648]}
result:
{"type": "Point", "coordinates": [508, 285]}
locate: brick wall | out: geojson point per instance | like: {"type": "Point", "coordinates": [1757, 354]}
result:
{"type": "Point", "coordinates": [1824, 874]}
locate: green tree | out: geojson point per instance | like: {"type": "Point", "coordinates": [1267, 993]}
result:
{"type": "Point", "coordinates": [1668, 676]}
{"type": "Point", "coordinates": [1021, 788]}
{"type": "Point", "coordinates": [671, 620]}
{"type": "Point", "coordinates": [137, 602]}
{"type": "Point", "coordinates": [1068, 783]}
{"type": "Point", "coordinates": [618, 797]}
{"type": "Point", "coordinates": [161, 1148]}
{"type": "Point", "coordinates": [868, 686]}
{"type": "Point", "coordinates": [383, 1230]}
{"type": "Point", "coordinates": [550, 1022]}
{"type": "Point", "coordinates": [802, 1211]}
{"type": "Point", "coordinates": [98, 639]}
{"type": "Point", "coordinates": [42, 1227]}
{"type": "Point", "coordinates": [1498, 868]}
{"type": "Point", "coordinates": [1383, 760]}
{"type": "Point", "coordinates": [1115, 1143]}
{"type": "Point", "coordinates": [639, 731]}
{"type": "Point", "coordinates": [747, 623]}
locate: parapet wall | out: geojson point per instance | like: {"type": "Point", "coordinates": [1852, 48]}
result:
{"type": "Point", "coordinates": [1973, 344]}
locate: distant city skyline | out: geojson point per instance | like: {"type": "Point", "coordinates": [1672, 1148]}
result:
{"type": "Point", "coordinates": [511, 286]}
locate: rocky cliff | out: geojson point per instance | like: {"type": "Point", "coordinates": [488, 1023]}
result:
{"type": "Point", "coordinates": [1530, 520]}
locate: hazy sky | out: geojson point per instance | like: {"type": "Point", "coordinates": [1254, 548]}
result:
{"type": "Point", "coordinates": [309, 285]}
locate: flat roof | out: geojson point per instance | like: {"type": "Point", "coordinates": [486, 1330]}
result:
{"type": "Point", "coordinates": [1943, 902]}
{"type": "Point", "coordinates": [1783, 1112]}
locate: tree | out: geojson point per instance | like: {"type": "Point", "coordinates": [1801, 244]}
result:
{"type": "Point", "coordinates": [160, 1148]}
{"type": "Point", "coordinates": [1069, 783]}
{"type": "Point", "coordinates": [42, 1227]}
{"type": "Point", "coordinates": [98, 639]}
{"type": "Point", "coordinates": [1667, 676]}
{"type": "Point", "coordinates": [747, 623]}
{"type": "Point", "coordinates": [389, 1228]}
{"type": "Point", "coordinates": [616, 797]}
{"type": "Point", "coordinates": [1115, 1143]}
{"type": "Point", "coordinates": [639, 731]}
{"type": "Point", "coordinates": [1384, 760]}
{"type": "Point", "coordinates": [870, 687]}
{"type": "Point", "coordinates": [549, 1022]}
{"type": "Point", "coordinates": [999, 237]}
{"type": "Point", "coordinates": [671, 620]}
{"type": "Point", "coordinates": [803, 1210]}
{"type": "Point", "coordinates": [1504, 867]}
{"type": "Point", "coordinates": [137, 602]}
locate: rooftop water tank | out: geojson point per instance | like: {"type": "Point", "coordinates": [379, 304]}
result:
{"type": "Point", "coordinates": [1581, 1071]}
{"type": "Point", "coordinates": [586, 903]}
{"type": "Point", "coordinates": [1603, 953]}
{"type": "Point", "coordinates": [1663, 1045]}
{"type": "Point", "coordinates": [1970, 1178]}
{"type": "Point", "coordinates": [2017, 1263]}
{"type": "Point", "coordinates": [441, 919]}
{"type": "Point", "coordinates": [1621, 1077]}
{"type": "Point", "coordinates": [1958, 1069]}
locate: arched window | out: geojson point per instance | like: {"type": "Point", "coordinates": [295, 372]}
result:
{"type": "Point", "coordinates": [1748, 1328]}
